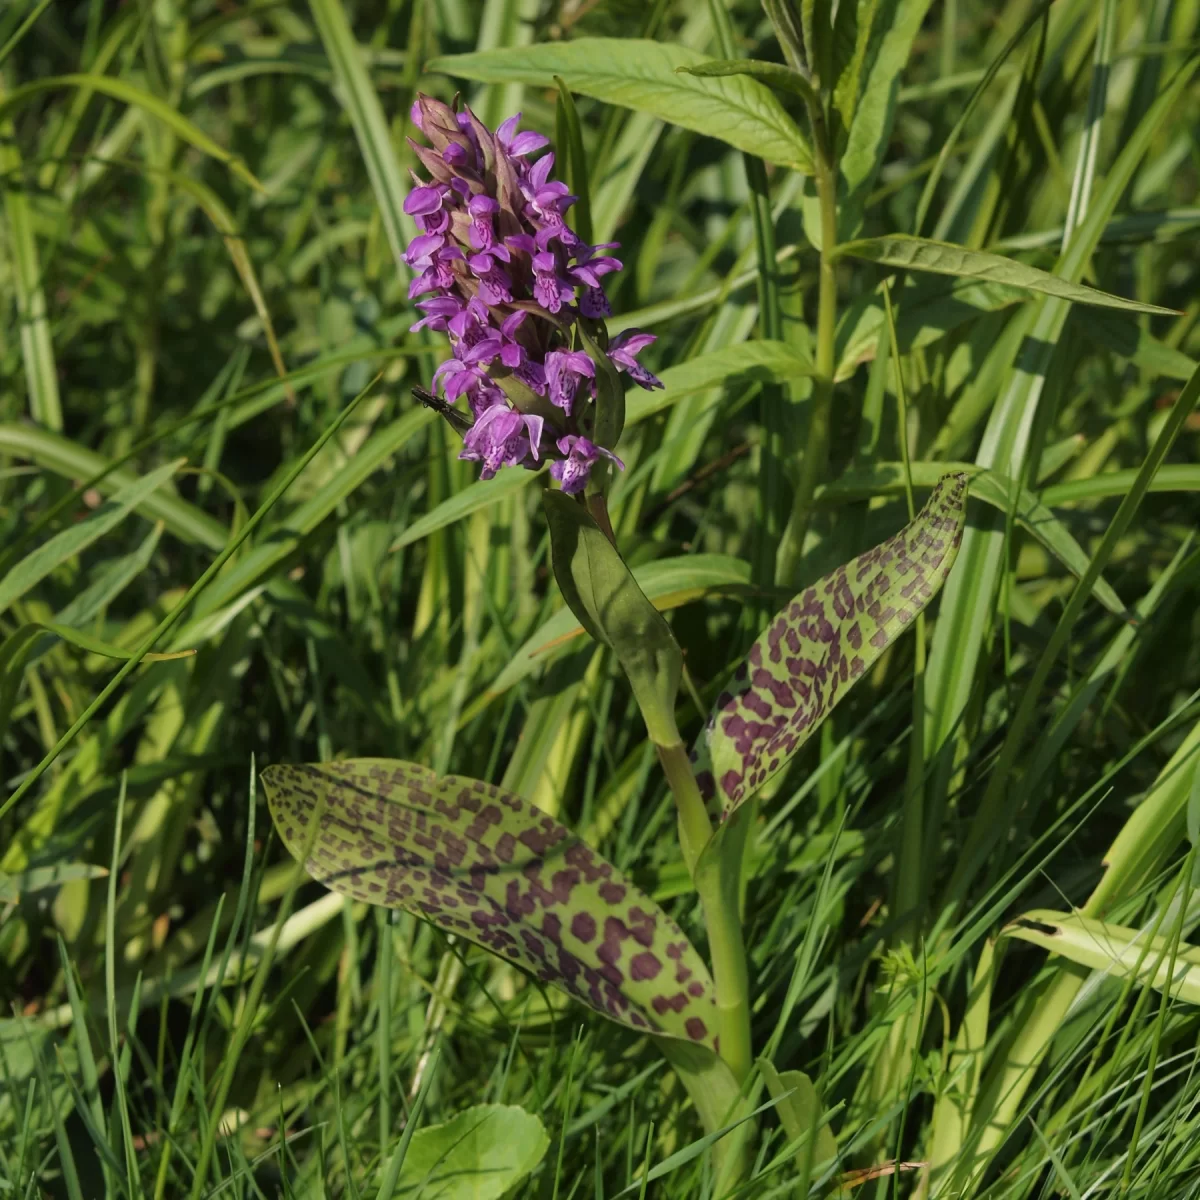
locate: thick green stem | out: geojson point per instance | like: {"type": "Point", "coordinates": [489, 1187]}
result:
{"type": "Point", "coordinates": [718, 881]}
{"type": "Point", "coordinates": [714, 862]}
{"type": "Point", "coordinates": [694, 826]}
{"type": "Point", "coordinates": [715, 865]}
{"type": "Point", "coordinates": [816, 453]}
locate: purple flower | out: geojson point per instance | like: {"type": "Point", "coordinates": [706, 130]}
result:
{"type": "Point", "coordinates": [438, 313]}
{"type": "Point", "coordinates": [550, 288]}
{"type": "Point", "coordinates": [503, 346]}
{"type": "Point", "coordinates": [564, 370]}
{"type": "Point", "coordinates": [482, 209]}
{"type": "Point", "coordinates": [547, 200]}
{"type": "Point", "coordinates": [436, 273]}
{"type": "Point", "coordinates": [502, 437]}
{"type": "Point", "coordinates": [495, 287]}
{"type": "Point", "coordinates": [426, 204]}
{"type": "Point", "coordinates": [625, 348]}
{"type": "Point", "coordinates": [514, 144]}
{"type": "Point", "coordinates": [507, 281]}
{"type": "Point", "coordinates": [574, 470]}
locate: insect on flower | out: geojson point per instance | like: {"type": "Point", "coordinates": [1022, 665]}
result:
{"type": "Point", "coordinates": [513, 287]}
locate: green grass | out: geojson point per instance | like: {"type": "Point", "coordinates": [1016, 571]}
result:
{"type": "Point", "coordinates": [208, 445]}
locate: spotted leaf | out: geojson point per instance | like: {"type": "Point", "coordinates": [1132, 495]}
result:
{"type": "Point", "coordinates": [812, 652]}
{"type": "Point", "coordinates": [482, 863]}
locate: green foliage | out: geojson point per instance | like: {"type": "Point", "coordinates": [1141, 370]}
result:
{"type": "Point", "coordinates": [482, 1154]}
{"type": "Point", "coordinates": [1161, 962]}
{"type": "Point", "coordinates": [800, 1114]}
{"type": "Point", "coordinates": [200, 240]}
{"type": "Point", "coordinates": [921, 254]}
{"type": "Point", "coordinates": [645, 76]}
{"type": "Point", "coordinates": [64, 546]}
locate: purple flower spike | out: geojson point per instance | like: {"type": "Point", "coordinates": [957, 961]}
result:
{"type": "Point", "coordinates": [507, 281]}
{"type": "Point", "coordinates": [623, 350]}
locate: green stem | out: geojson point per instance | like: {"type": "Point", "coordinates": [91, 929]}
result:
{"type": "Point", "coordinates": [718, 881]}
{"type": "Point", "coordinates": [695, 828]}
{"type": "Point", "coordinates": [816, 454]}
{"type": "Point", "coordinates": [715, 863]}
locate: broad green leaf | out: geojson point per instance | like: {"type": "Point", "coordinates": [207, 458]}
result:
{"type": "Point", "coordinates": [480, 1154]}
{"type": "Point", "coordinates": [482, 863]}
{"type": "Point", "coordinates": [667, 583]}
{"type": "Point", "coordinates": [886, 29]}
{"type": "Point", "coordinates": [775, 75]}
{"type": "Point", "coordinates": [816, 648]}
{"type": "Point", "coordinates": [1116, 949]}
{"type": "Point", "coordinates": [800, 1110]}
{"type": "Point", "coordinates": [64, 546]}
{"type": "Point", "coordinates": [943, 258]}
{"type": "Point", "coordinates": [606, 600]}
{"type": "Point", "coordinates": [643, 75]}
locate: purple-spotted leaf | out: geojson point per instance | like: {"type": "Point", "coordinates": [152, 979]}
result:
{"type": "Point", "coordinates": [482, 863]}
{"type": "Point", "coordinates": [812, 652]}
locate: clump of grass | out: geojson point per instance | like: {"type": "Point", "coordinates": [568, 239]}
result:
{"type": "Point", "coordinates": [231, 539]}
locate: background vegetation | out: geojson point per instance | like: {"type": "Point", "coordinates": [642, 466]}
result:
{"type": "Point", "coordinates": [201, 210]}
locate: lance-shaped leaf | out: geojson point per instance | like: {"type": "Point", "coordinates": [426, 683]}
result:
{"type": "Point", "coordinates": [484, 864]}
{"type": "Point", "coordinates": [640, 73]}
{"type": "Point", "coordinates": [812, 652]}
{"type": "Point", "coordinates": [1117, 949]}
{"type": "Point", "coordinates": [606, 600]}
{"type": "Point", "coordinates": [943, 258]}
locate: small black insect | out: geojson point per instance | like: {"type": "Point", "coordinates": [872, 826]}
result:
{"type": "Point", "coordinates": [457, 421]}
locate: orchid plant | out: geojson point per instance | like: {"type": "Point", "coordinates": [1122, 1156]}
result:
{"type": "Point", "coordinates": [533, 378]}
